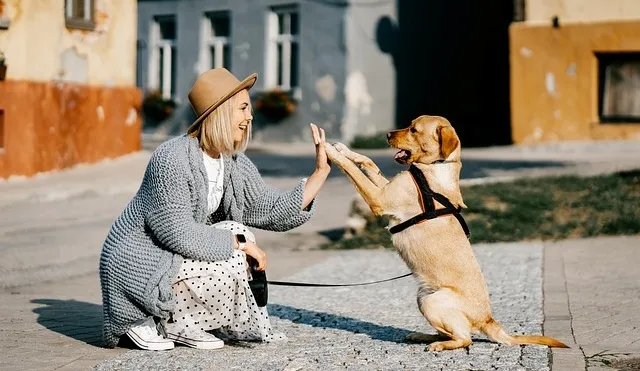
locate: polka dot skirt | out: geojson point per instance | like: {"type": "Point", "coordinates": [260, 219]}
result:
{"type": "Point", "coordinates": [216, 296]}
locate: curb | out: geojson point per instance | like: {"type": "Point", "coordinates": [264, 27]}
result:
{"type": "Point", "coordinates": [557, 314]}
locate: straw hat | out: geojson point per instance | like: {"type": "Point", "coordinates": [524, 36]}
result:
{"type": "Point", "coordinates": [213, 88]}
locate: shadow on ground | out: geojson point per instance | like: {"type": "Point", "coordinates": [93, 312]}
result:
{"type": "Point", "coordinates": [83, 321]}
{"type": "Point", "coordinates": [76, 319]}
{"type": "Point", "coordinates": [328, 320]}
{"type": "Point", "coordinates": [354, 325]}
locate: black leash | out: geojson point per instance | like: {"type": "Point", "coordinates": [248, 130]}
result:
{"type": "Point", "coordinates": [283, 283]}
{"type": "Point", "coordinates": [260, 286]}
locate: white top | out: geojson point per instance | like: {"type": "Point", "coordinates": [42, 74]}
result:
{"type": "Point", "coordinates": [215, 173]}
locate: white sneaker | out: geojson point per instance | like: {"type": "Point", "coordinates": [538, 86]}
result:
{"type": "Point", "coordinates": [145, 335]}
{"type": "Point", "coordinates": [190, 337]}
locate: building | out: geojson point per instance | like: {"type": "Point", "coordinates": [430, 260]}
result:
{"type": "Point", "coordinates": [323, 55]}
{"type": "Point", "coordinates": [575, 71]}
{"type": "Point", "coordinates": [69, 93]}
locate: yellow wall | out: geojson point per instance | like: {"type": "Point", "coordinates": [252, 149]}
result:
{"type": "Point", "coordinates": [581, 10]}
{"type": "Point", "coordinates": [37, 39]}
{"type": "Point", "coordinates": [554, 80]}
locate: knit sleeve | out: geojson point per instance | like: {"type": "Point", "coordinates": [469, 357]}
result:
{"type": "Point", "coordinates": [170, 215]}
{"type": "Point", "coordinates": [268, 208]}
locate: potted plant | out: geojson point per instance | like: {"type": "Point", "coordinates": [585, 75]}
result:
{"type": "Point", "coordinates": [3, 66]}
{"type": "Point", "coordinates": [275, 104]}
{"type": "Point", "coordinates": [156, 107]}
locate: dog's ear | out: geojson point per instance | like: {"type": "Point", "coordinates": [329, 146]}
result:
{"type": "Point", "coordinates": [448, 140]}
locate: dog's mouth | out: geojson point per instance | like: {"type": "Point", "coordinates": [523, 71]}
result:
{"type": "Point", "coordinates": [402, 156]}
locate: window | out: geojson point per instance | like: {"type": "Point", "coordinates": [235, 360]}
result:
{"type": "Point", "coordinates": [283, 30]}
{"type": "Point", "coordinates": [215, 49]}
{"type": "Point", "coordinates": [519, 10]}
{"type": "Point", "coordinates": [619, 87]}
{"type": "Point", "coordinates": [163, 61]}
{"type": "Point", "coordinates": [79, 14]}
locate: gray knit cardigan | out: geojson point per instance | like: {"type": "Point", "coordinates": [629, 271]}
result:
{"type": "Point", "coordinates": [167, 220]}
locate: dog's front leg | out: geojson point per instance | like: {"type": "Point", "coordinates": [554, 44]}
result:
{"type": "Point", "coordinates": [370, 169]}
{"type": "Point", "coordinates": [371, 193]}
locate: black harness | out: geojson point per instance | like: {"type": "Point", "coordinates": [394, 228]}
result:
{"type": "Point", "coordinates": [427, 195]}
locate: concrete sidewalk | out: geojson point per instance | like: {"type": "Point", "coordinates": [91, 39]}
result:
{"type": "Point", "coordinates": [52, 227]}
{"type": "Point", "coordinates": [591, 302]}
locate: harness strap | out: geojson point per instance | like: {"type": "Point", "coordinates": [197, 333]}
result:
{"type": "Point", "coordinates": [427, 195]}
{"type": "Point", "coordinates": [425, 192]}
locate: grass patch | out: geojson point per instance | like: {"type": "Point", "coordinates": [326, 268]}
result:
{"type": "Point", "coordinates": [549, 208]}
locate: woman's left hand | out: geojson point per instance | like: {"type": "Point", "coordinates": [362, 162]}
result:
{"type": "Point", "coordinates": [322, 162]}
{"type": "Point", "coordinates": [323, 167]}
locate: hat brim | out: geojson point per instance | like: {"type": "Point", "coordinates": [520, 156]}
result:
{"type": "Point", "coordinates": [244, 84]}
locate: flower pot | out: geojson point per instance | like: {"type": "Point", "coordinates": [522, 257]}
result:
{"type": "Point", "coordinates": [3, 71]}
{"type": "Point", "coordinates": [274, 105]}
{"type": "Point", "coordinates": [157, 108]}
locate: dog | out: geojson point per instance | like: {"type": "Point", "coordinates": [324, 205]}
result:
{"type": "Point", "coordinates": [452, 294]}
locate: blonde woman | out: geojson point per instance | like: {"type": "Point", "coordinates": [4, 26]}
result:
{"type": "Point", "coordinates": [174, 264]}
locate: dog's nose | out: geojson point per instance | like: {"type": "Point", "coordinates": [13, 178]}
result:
{"type": "Point", "coordinates": [388, 135]}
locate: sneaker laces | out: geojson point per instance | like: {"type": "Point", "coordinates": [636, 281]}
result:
{"type": "Point", "coordinates": [191, 333]}
{"type": "Point", "coordinates": [147, 329]}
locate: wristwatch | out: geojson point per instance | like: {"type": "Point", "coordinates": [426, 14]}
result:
{"type": "Point", "coordinates": [242, 241]}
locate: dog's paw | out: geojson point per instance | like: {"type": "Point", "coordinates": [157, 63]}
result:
{"type": "Point", "coordinates": [342, 148]}
{"type": "Point", "coordinates": [435, 347]}
{"type": "Point", "coordinates": [331, 151]}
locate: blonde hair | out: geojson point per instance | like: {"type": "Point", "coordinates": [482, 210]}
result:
{"type": "Point", "coordinates": [216, 130]}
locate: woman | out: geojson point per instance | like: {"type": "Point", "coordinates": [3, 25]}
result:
{"type": "Point", "coordinates": [173, 265]}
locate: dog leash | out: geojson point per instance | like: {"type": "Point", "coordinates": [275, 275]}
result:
{"type": "Point", "coordinates": [305, 284]}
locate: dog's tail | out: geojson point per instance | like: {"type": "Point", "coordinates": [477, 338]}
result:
{"type": "Point", "coordinates": [496, 332]}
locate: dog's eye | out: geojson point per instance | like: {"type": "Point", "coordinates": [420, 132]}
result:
{"type": "Point", "coordinates": [413, 130]}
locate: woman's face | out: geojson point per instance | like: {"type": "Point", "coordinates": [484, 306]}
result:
{"type": "Point", "coordinates": [241, 115]}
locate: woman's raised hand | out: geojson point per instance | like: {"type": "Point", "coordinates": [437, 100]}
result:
{"type": "Point", "coordinates": [322, 162]}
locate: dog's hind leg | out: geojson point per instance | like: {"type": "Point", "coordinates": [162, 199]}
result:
{"type": "Point", "coordinates": [442, 311]}
{"type": "Point", "coordinates": [458, 340]}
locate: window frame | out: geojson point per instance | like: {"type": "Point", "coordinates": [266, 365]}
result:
{"type": "Point", "coordinates": [603, 60]}
{"type": "Point", "coordinates": [83, 23]}
{"type": "Point", "coordinates": [287, 39]}
{"type": "Point", "coordinates": [167, 83]}
{"type": "Point", "coordinates": [209, 40]}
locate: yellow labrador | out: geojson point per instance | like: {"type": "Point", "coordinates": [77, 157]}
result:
{"type": "Point", "coordinates": [453, 295]}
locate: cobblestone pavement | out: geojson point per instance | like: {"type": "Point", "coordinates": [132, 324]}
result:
{"type": "Point", "coordinates": [362, 328]}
